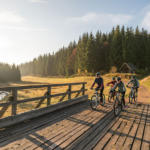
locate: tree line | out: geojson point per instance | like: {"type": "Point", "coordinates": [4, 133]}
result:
{"type": "Point", "coordinates": [95, 52]}
{"type": "Point", "coordinates": [9, 73]}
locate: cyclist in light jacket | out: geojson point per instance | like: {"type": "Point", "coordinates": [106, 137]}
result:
{"type": "Point", "coordinates": [121, 89]}
{"type": "Point", "coordinates": [134, 83]}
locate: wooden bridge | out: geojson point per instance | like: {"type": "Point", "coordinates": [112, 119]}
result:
{"type": "Point", "coordinates": [72, 125]}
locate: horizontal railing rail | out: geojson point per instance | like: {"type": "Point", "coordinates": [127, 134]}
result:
{"type": "Point", "coordinates": [14, 101]}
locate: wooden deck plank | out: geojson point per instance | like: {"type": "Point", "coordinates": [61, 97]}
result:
{"type": "Point", "coordinates": [40, 125]}
{"type": "Point", "coordinates": [79, 134]}
{"type": "Point", "coordinates": [138, 138]}
{"type": "Point", "coordinates": [107, 137]}
{"type": "Point", "coordinates": [80, 128]}
{"type": "Point", "coordinates": [33, 136]}
{"type": "Point", "coordinates": [130, 138]}
{"type": "Point", "coordinates": [73, 132]}
{"type": "Point", "coordinates": [80, 142]}
{"type": "Point", "coordinates": [25, 126]}
{"type": "Point", "coordinates": [69, 127]}
{"type": "Point", "coordinates": [115, 136]}
{"type": "Point", "coordinates": [146, 137]}
{"type": "Point", "coordinates": [130, 118]}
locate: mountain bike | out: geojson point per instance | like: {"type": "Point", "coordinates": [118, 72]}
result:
{"type": "Point", "coordinates": [96, 100]}
{"type": "Point", "coordinates": [132, 95]}
{"type": "Point", "coordinates": [118, 104]}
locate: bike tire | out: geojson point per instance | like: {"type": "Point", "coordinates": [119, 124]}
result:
{"type": "Point", "coordinates": [117, 107]}
{"type": "Point", "coordinates": [130, 99]}
{"type": "Point", "coordinates": [93, 102]}
{"type": "Point", "coordinates": [103, 100]}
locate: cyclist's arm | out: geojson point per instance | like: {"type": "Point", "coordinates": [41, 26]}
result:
{"type": "Point", "coordinates": [115, 86]}
{"type": "Point", "coordinates": [109, 83]}
{"type": "Point", "coordinates": [93, 85]}
{"type": "Point", "coordinates": [129, 82]}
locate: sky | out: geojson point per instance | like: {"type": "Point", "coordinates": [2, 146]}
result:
{"type": "Point", "coordinates": [29, 28]}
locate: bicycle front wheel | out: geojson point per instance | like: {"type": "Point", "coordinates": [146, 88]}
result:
{"type": "Point", "coordinates": [93, 102]}
{"type": "Point", "coordinates": [103, 100]}
{"type": "Point", "coordinates": [130, 98]}
{"type": "Point", "coordinates": [117, 107]}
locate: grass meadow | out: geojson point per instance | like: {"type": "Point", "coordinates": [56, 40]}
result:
{"type": "Point", "coordinates": [32, 80]}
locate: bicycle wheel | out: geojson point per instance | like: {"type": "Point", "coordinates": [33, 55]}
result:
{"type": "Point", "coordinates": [135, 97]}
{"type": "Point", "coordinates": [130, 98]}
{"type": "Point", "coordinates": [93, 102]}
{"type": "Point", "coordinates": [103, 100]}
{"type": "Point", "coordinates": [117, 107]}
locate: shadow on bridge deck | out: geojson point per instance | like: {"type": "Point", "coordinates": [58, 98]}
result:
{"type": "Point", "coordinates": [46, 132]}
{"type": "Point", "coordinates": [78, 127]}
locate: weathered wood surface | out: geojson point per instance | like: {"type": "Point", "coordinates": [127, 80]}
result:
{"type": "Point", "coordinates": [38, 112]}
{"type": "Point", "coordinates": [80, 128]}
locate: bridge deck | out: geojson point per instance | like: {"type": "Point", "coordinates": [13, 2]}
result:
{"type": "Point", "coordinates": [79, 127]}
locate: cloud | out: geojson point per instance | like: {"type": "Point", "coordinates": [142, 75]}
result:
{"type": "Point", "coordinates": [23, 28]}
{"type": "Point", "coordinates": [101, 19]}
{"type": "Point", "coordinates": [38, 1]}
{"type": "Point", "coordinates": [9, 17]}
{"type": "Point", "coordinates": [146, 21]}
{"type": "Point", "coordinates": [10, 20]}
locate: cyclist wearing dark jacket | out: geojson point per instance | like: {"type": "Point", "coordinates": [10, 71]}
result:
{"type": "Point", "coordinates": [121, 89]}
{"type": "Point", "coordinates": [100, 84]}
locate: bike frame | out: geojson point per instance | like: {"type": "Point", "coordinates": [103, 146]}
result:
{"type": "Point", "coordinates": [97, 95]}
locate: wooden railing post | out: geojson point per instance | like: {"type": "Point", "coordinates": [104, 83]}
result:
{"type": "Point", "coordinates": [83, 88]}
{"type": "Point", "coordinates": [14, 102]}
{"type": "Point", "coordinates": [48, 94]}
{"type": "Point", "coordinates": [69, 91]}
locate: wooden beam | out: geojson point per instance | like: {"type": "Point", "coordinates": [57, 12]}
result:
{"type": "Point", "coordinates": [14, 102]}
{"type": "Point", "coordinates": [36, 113]}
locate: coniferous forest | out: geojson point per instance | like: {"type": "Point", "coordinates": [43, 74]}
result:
{"type": "Point", "coordinates": [9, 73]}
{"type": "Point", "coordinates": [92, 53]}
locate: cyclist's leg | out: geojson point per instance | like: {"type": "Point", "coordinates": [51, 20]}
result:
{"type": "Point", "coordinates": [123, 99]}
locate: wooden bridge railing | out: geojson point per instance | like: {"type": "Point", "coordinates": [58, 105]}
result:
{"type": "Point", "coordinates": [14, 101]}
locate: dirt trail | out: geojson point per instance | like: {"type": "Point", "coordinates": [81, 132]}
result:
{"type": "Point", "coordinates": [144, 94]}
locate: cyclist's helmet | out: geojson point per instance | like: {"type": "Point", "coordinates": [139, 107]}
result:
{"type": "Point", "coordinates": [98, 74]}
{"type": "Point", "coordinates": [118, 78]}
{"type": "Point", "coordinates": [113, 78]}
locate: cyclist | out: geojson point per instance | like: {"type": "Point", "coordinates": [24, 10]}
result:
{"type": "Point", "coordinates": [112, 83]}
{"type": "Point", "coordinates": [134, 83]}
{"type": "Point", "coordinates": [121, 89]}
{"type": "Point", "coordinates": [100, 84]}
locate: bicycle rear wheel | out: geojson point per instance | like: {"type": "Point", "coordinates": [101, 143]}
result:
{"type": "Point", "coordinates": [130, 98]}
{"type": "Point", "coordinates": [93, 102]}
{"type": "Point", "coordinates": [117, 107]}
